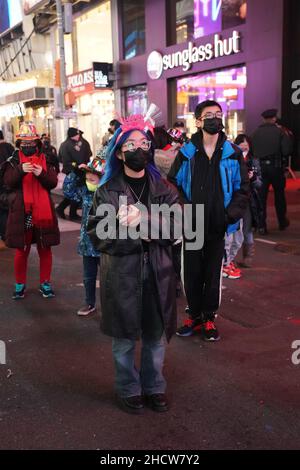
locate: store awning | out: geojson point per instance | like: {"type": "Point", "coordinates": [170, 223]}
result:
{"type": "Point", "coordinates": [39, 94]}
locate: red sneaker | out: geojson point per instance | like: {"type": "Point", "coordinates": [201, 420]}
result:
{"type": "Point", "coordinates": [234, 273]}
{"type": "Point", "coordinates": [210, 332]}
{"type": "Point", "coordinates": [190, 327]}
{"type": "Point", "coordinates": [226, 270]}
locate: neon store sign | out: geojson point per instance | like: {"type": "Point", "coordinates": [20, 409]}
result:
{"type": "Point", "coordinates": [207, 17]}
{"type": "Point", "coordinates": [157, 62]}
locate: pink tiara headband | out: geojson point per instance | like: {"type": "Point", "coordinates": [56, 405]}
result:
{"type": "Point", "coordinates": [138, 121]}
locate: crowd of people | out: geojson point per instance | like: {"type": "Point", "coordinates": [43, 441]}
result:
{"type": "Point", "coordinates": [140, 277]}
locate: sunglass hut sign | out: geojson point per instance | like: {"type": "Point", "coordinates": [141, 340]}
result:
{"type": "Point", "coordinates": [157, 62]}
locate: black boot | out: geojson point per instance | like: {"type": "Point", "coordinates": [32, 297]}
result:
{"type": "Point", "coordinates": [248, 253]}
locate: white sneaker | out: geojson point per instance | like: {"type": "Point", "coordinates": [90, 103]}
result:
{"type": "Point", "coordinates": [86, 310]}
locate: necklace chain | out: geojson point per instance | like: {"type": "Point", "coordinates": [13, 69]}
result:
{"type": "Point", "coordinates": [138, 197]}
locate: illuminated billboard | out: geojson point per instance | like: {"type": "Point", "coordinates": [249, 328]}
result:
{"type": "Point", "coordinates": [10, 14]}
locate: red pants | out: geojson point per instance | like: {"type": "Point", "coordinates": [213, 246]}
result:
{"type": "Point", "coordinates": [21, 258]}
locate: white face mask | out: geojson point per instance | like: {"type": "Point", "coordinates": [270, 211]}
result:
{"type": "Point", "coordinates": [245, 153]}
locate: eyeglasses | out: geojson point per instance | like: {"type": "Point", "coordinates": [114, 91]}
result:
{"type": "Point", "coordinates": [209, 115]}
{"type": "Point", "coordinates": [143, 144]}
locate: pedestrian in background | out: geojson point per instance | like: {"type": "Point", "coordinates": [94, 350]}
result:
{"type": "Point", "coordinates": [254, 212]}
{"type": "Point", "coordinates": [167, 145]}
{"type": "Point", "coordinates": [72, 153]}
{"type": "Point", "coordinates": [31, 218]}
{"type": "Point", "coordinates": [84, 194]}
{"type": "Point", "coordinates": [50, 151]}
{"type": "Point", "coordinates": [272, 146]}
{"type": "Point", "coordinates": [85, 146]}
{"type": "Point", "coordinates": [180, 126]}
{"type": "Point", "coordinates": [6, 149]}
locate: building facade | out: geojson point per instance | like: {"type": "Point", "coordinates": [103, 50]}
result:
{"type": "Point", "coordinates": [241, 53]}
{"type": "Point", "coordinates": [26, 75]}
{"type": "Point", "coordinates": [30, 88]}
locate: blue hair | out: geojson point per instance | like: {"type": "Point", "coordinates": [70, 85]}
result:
{"type": "Point", "coordinates": [114, 165]}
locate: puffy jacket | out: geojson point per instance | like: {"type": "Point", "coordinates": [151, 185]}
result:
{"type": "Point", "coordinates": [233, 173]}
{"type": "Point", "coordinates": [76, 191]}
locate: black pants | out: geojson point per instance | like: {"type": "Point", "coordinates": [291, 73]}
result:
{"type": "Point", "coordinates": [176, 254]}
{"type": "Point", "coordinates": [275, 177]}
{"type": "Point", "coordinates": [3, 222]}
{"type": "Point", "coordinates": [202, 278]}
{"type": "Point", "coordinates": [68, 202]}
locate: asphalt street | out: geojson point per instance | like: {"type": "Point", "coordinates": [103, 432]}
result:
{"type": "Point", "coordinates": [56, 388]}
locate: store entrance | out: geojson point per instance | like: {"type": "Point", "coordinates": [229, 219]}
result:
{"type": "Point", "coordinates": [226, 86]}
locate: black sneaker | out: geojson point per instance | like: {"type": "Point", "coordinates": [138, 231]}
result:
{"type": "Point", "coordinates": [157, 401]}
{"type": "Point", "coordinates": [46, 290]}
{"type": "Point", "coordinates": [285, 224]}
{"type": "Point", "coordinates": [190, 327]}
{"type": "Point", "coordinates": [60, 213]}
{"type": "Point", "coordinates": [75, 218]}
{"type": "Point", "coordinates": [209, 331]}
{"type": "Point", "coordinates": [132, 405]}
{"type": "Point", "coordinates": [19, 291]}
{"type": "Point", "coordinates": [263, 231]}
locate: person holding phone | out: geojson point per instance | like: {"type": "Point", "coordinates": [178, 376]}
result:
{"type": "Point", "coordinates": [29, 178]}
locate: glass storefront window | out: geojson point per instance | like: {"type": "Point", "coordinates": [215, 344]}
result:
{"type": "Point", "coordinates": [197, 18]}
{"type": "Point", "coordinates": [93, 30]}
{"type": "Point", "coordinates": [95, 111]}
{"type": "Point", "coordinates": [136, 99]}
{"type": "Point", "coordinates": [227, 87]}
{"type": "Point", "coordinates": [133, 24]}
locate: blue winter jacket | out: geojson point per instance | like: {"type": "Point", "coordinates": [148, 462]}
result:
{"type": "Point", "coordinates": [77, 192]}
{"type": "Point", "coordinates": [233, 173]}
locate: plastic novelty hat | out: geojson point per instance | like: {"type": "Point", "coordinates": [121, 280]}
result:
{"type": "Point", "coordinates": [97, 166]}
{"type": "Point", "coordinates": [27, 132]}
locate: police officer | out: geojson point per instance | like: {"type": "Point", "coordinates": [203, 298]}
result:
{"type": "Point", "coordinates": [272, 146]}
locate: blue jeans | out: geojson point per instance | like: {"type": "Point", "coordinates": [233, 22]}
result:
{"type": "Point", "coordinates": [90, 270]}
{"type": "Point", "coordinates": [149, 379]}
{"type": "Point", "coordinates": [233, 243]}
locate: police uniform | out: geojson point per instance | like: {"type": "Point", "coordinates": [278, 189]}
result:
{"type": "Point", "coordinates": [272, 146]}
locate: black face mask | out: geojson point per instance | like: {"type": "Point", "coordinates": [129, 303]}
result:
{"type": "Point", "coordinates": [29, 150]}
{"type": "Point", "coordinates": [137, 160]}
{"type": "Point", "coordinates": [213, 126]}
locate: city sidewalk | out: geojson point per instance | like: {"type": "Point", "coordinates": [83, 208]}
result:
{"type": "Point", "coordinates": [56, 390]}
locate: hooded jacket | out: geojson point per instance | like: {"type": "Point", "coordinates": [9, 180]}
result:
{"type": "Point", "coordinates": [233, 173]}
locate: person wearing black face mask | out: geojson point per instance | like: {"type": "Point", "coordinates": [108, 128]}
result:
{"type": "Point", "coordinates": [212, 173]}
{"type": "Point", "coordinates": [137, 159]}
{"type": "Point", "coordinates": [28, 150]}
{"type": "Point", "coordinates": [138, 288]}
{"type": "Point", "coordinates": [50, 151]}
{"type": "Point", "coordinates": [31, 216]}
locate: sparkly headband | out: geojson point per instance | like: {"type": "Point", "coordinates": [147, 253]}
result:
{"type": "Point", "coordinates": [138, 121]}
